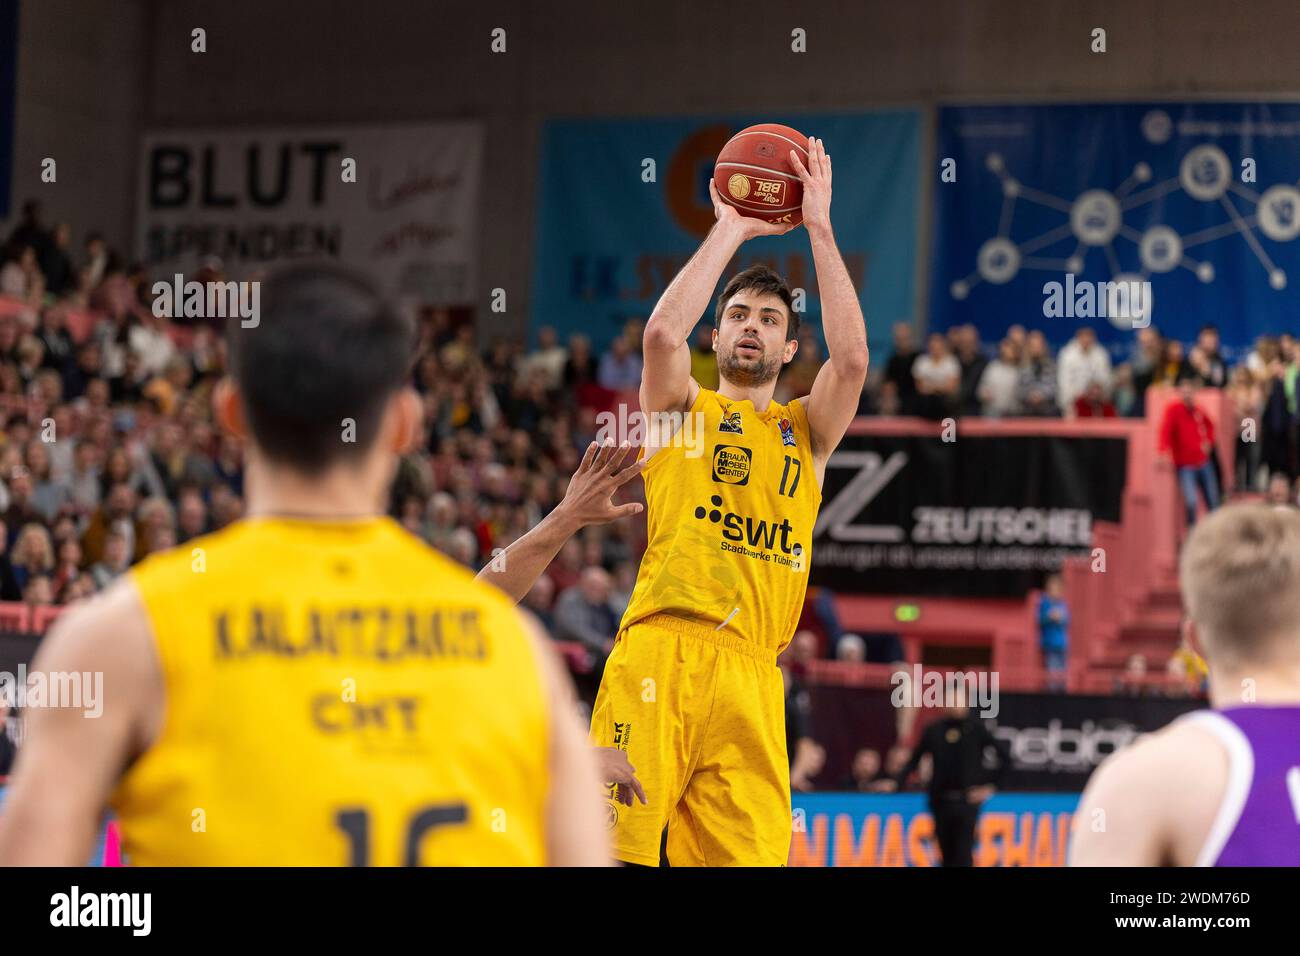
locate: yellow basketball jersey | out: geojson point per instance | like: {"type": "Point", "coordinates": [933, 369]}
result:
{"type": "Point", "coordinates": [337, 693]}
{"type": "Point", "coordinates": [730, 508]}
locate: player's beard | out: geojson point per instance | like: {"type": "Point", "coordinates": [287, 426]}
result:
{"type": "Point", "coordinates": [748, 373]}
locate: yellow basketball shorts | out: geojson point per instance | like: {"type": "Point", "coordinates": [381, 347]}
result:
{"type": "Point", "coordinates": [701, 716]}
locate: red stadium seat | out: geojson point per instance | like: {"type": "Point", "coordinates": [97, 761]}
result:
{"type": "Point", "coordinates": [13, 616]}
{"type": "Point", "coordinates": [42, 617]}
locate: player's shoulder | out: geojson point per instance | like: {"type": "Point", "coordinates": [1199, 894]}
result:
{"type": "Point", "coordinates": [414, 556]}
{"type": "Point", "coordinates": [1181, 761]}
{"type": "Point", "coordinates": [795, 413]}
{"type": "Point", "coordinates": [110, 628]}
{"type": "Point", "coordinates": [181, 562]}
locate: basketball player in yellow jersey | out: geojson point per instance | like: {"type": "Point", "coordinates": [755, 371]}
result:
{"type": "Point", "coordinates": [692, 691]}
{"type": "Point", "coordinates": [312, 685]}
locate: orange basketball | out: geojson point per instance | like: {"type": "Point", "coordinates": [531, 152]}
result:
{"type": "Point", "coordinates": [754, 174]}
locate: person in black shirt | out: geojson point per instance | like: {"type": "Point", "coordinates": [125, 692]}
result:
{"type": "Point", "coordinates": [898, 371]}
{"type": "Point", "coordinates": [959, 783]}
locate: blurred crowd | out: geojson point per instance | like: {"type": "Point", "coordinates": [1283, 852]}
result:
{"type": "Point", "coordinates": [108, 449]}
{"type": "Point", "coordinates": [956, 374]}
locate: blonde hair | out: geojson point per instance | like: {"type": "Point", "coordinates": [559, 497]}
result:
{"type": "Point", "coordinates": [1240, 578]}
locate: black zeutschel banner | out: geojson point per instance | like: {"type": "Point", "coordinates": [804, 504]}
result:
{"type": "Point", "coordinates": [1057, 740]}
{"type": "Point", "coordinates": [979, 516]}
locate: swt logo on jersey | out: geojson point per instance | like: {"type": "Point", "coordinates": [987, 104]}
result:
{"type": "Point", "coordinates": [754, 532]}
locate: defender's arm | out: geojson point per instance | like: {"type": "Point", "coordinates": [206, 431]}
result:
{"type": "Point", "coordinates": [588, 500]}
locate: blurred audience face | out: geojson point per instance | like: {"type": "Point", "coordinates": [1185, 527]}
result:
{"type": "Point", "coordinates": [866, 764]}
{"type": "Point", "coordinates": [1279, 490]}
{"type": "Point", "coordinates": [903, 338]}
{"type": "Point", "coordinates": [596, 586]}
{"type": "Point", "coordinates": [115, 553]}
{"type": "Point", "coordinates": [851, 649]}
{"type": "Point", "coordinates": [541, 595]}
{"type": "Point", "coordinates": [804, 646]}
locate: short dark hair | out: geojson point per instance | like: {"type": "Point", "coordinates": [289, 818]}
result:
{"type": "Point", "coordinates": [327, 347]}
{"type": "Point", "coordinates": [763, 281]}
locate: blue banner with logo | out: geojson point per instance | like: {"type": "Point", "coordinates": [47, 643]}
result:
{"type": "Point", "coordinates": [609, 242]}
{"type": "Point", "coordinates": [864, 829]}
{"type": "Point", "coordinates": [1198, 199]}
{"type": "Point", "coordinates": [8, 95]}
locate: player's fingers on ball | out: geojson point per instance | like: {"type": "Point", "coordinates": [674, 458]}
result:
{"type": "Point", "coordinates": [800, 169]}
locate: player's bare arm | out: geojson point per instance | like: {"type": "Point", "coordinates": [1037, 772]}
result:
{"type": "Point", "coordinates": [1152, 803]}
{"type": "Point", "coordinates": [575, 813]}
{"type": "Point", "coordinates": [587, 501]}
{"type": "Point", "coordinates": [70, 762]}
{"type": "Point", "coordinates": [833, 402]}
{"type": "Point", "coordinates": [666, 383]}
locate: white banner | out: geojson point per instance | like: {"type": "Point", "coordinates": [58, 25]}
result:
{"type": "Point", "coordinates": [253, 197]}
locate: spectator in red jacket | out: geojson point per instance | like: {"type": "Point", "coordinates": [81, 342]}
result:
{"type": "Point", "coordinates": [1093, 403]}
{"type": "Point", "coordinates": [1187, 435]}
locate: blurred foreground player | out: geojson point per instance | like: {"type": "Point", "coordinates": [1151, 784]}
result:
{"type": "Point", "coordinates": [691, 690]}
{"type": "Point", "coordinates": [1217, 787]}
{"type": "Point", "coordinates": [312, 685]}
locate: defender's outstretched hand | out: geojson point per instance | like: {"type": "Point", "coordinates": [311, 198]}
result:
{"type": "Point", "coordinates": [589, 497]}
{"type": "Point", "coordinates": [588, 500]}
{"type": "Point", "coordinates": [816, 179]}
{"type": "Point", "coordinates": [747, 226]}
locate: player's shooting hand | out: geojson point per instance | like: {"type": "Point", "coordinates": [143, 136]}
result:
{"type": "Point", "coordinates": [746, 227]}
{"type": "Point", "coordinates": [603, 470]}
{"type": "Point", "coordinates": [615, 768]}
{"type": "Point", "coordinates": [816, 179]}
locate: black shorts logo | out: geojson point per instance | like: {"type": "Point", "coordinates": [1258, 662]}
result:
{"type": "Point", "coordinates": [731, 464]}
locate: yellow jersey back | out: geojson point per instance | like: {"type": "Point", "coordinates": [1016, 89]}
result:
{"type": "Point", "coordinates": [730, 507]}
{"type": "Point", "coordinates": [336, 693]}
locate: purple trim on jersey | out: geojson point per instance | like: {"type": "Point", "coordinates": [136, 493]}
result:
{"type": "Point", "coordinates": [1266, 831]}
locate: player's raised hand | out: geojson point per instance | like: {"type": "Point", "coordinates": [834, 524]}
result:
{"type": "Point", "coordinates": [747, 226]}
{"type": "Point", "coordinates": [816, 179]}
{"type": "Point", "coordinates": [603, 470]}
